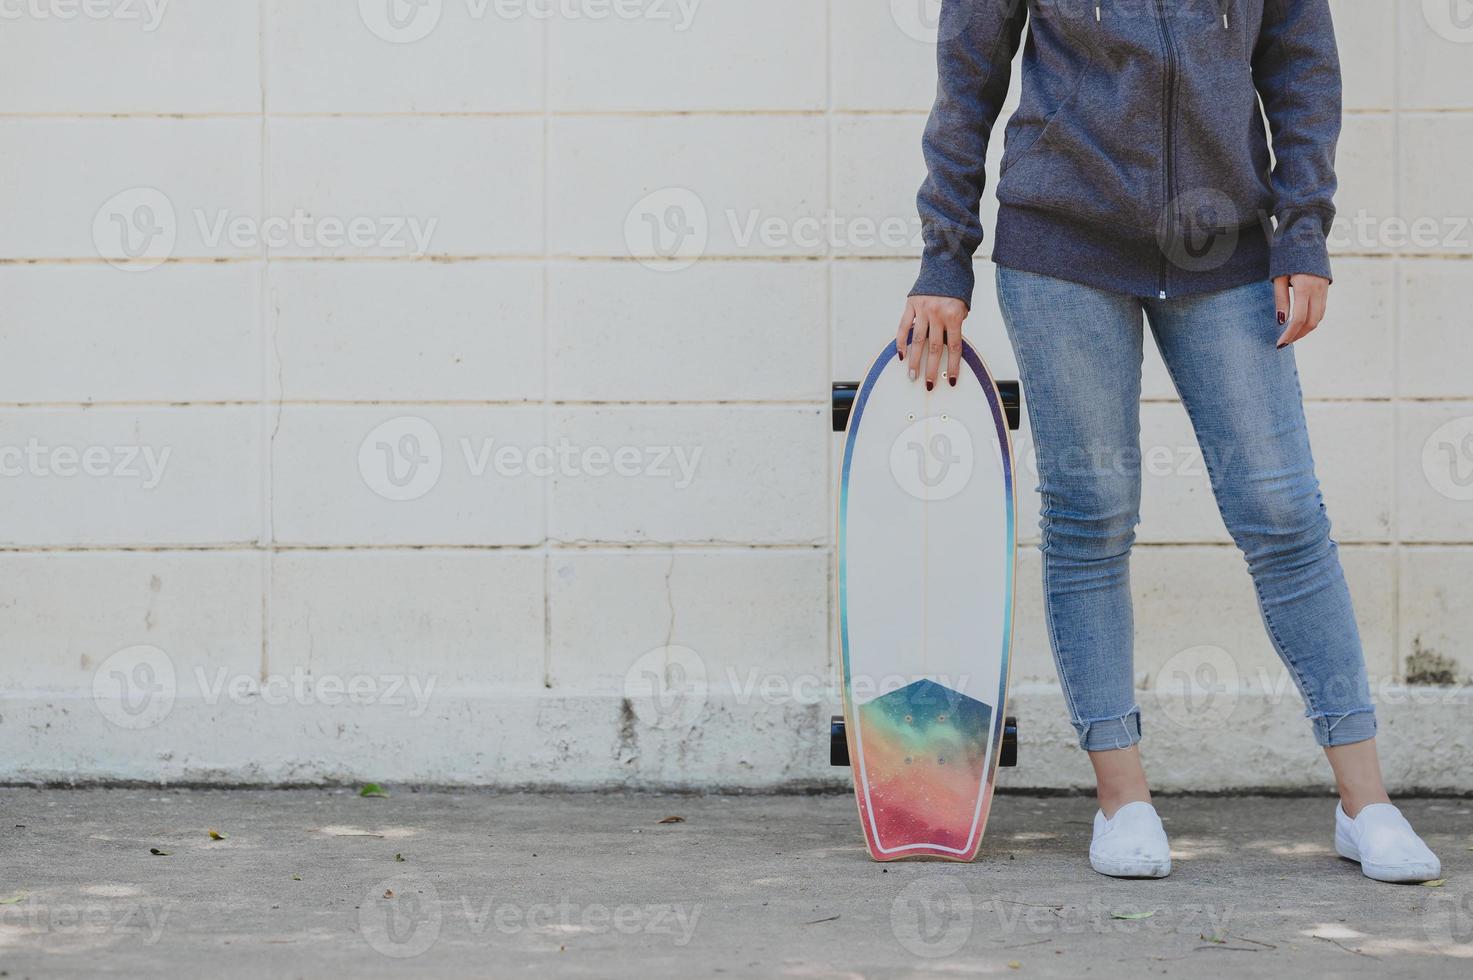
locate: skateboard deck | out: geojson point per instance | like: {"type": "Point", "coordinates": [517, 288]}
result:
{"type": "Point", "coordinates": [926, 543]}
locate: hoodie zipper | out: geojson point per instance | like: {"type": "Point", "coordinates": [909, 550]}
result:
{"type": "Point", "coordinates": [1169, 120]}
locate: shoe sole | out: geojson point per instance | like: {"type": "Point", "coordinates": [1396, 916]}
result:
{"type": "Point", "coordinates": [1381, 872]}
{"type": "Point", "coordinates": [1145, 869]}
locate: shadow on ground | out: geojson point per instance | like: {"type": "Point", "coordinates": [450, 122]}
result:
{"type": "Point", "coordinates": [318, 883]}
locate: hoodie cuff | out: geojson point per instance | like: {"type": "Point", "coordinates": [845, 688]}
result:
{"type": "Point", "coordinates": [945, 272]}
{"type": "Point", "coordinates": [1299, 247]}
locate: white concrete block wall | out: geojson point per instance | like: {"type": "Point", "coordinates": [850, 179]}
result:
{"type": "Point", "coordinates": [411, 399]}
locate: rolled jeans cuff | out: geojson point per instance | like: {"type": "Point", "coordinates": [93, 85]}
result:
{"type": "Point", "coordinates": [1346, 728]}
{"type": "Point", "coordinates": [1105, 734]}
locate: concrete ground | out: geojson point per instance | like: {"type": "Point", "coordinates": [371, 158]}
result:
{"type": "Point", "coordinates": [323, 883]}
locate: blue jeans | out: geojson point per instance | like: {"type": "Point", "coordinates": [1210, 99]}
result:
{"type": "Point", "coordinates": [1079, 354]}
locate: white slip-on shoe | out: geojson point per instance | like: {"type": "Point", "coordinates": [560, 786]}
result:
{"type": "Point", "coordinates": [1386, 846]}
{"type": "Point", "coordinates": [1131, 844]}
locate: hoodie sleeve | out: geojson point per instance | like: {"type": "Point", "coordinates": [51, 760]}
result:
{"type": "Point", "coordinates": [1296, 69]}
{"type": "Point", "coordinates": [974, 52]}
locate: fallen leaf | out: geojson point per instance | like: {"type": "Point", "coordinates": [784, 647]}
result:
{"type": "Point", "coordinates": [216, 835]}
{"type": "Point", "coordinates": [1211, 939]}
{"type": "Point", "coordinates": [155, 850]}
{"type": "Point", "coordinates": [1434, 884]}
{"type": "Point", "coordinates": [1014, 965]}
{"type": "Point", "coordinates": [372, 789]}
{"type": "Point", "coordinates": [389, 893]}
{"type": "Point", "coordinates": [672, 820]}
{"type": "Point", "coordinates": [296, 877]}
{"type": "Point", "coordinates": [399, 857]}
{"type": "Point", "coordinates": [1131, 915]}
{"type": "Point", "coordinates": [14, 899]}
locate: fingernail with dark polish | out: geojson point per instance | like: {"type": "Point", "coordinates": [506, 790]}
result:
{"type": "Point", "coordinates": [953, 382]}
{"type": "Point", "coordinates": [1282, 346]}
{"type": "Point", "coordinates": [1283, 318]}
{"type": "Point", "coordinates": [900, 352]}
{"type": "Point", "coordinates": [930, 385]}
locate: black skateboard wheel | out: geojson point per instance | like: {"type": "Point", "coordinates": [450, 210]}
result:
{"type": "Point", "coordinates": [1009, 756]}
{"type": "Point", "coordinates": [843, 403]}
{"type": "Point", "coordinates": [1012, 402]}
{"type": "Point", "coordinates": [838, 743]}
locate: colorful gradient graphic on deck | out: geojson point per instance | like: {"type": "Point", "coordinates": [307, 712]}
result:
{"type": "Point", "coordinates": [925, 754]}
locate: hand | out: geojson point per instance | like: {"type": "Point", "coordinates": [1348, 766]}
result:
{"type": "Point", "coordinates": [937, 323]}
{"type": "Point", "coordinates": [1311, 294]}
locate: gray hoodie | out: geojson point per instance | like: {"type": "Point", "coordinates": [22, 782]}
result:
{"type": "Point", "coordinates": [1138, 160]}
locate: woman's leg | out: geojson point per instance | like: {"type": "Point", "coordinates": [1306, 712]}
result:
{"type": "Point", "coordinates": [1079, 354]}
{"type": "Point", "coordinates": [1245, 403]}
{"type": "Point", "coordinates": [1357, 775]}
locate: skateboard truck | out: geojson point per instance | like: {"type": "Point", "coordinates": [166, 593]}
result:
{"type": "Point", "coordinates": [846, 391]}
{"type": "Point", "coordinates": [839, 744]}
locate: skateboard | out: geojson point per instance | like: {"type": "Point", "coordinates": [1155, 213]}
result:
{"type": "Point", "coordinates": [926, 542]}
